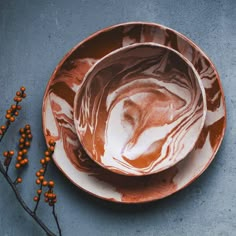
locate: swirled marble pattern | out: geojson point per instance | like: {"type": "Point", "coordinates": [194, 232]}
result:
{"type": "Point", "coordinates": [140, 109]}
{"type": "Point", "coordinates": [69, 154]}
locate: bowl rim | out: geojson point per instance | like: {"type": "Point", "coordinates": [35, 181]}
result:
{"type": "Point", "coordinates": [83, 85]}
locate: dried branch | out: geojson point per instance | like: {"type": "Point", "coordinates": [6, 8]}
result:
{"type": "Point", "coordinates": [22, 160]}
{"type": "Point", "coordinates": [23, 204]}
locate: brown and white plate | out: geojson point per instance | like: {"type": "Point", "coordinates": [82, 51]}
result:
{"type": "Point", "coordinates": [58, 122]}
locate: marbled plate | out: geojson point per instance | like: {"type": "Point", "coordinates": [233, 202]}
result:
{"type": "Point", "coordinates": [58, 121]}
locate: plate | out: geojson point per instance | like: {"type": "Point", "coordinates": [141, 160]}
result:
{"type": "Point", "coordinates": [57, 114]}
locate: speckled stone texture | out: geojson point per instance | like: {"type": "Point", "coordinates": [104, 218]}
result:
{"type": "Point", "coordinates": [34, 36]}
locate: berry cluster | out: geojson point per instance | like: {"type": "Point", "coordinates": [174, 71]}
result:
{"type": "Point", "coordinates": [24, 144]}
{"type": "Point", "coordinates": [22, 160]}
{"type": "Point", "coordinates": [50, 197]}
{"type": "Point", "coordinates": [13, 111]}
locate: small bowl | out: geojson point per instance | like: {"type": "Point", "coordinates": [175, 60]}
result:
{"type": "Point", "coordinates": [140, 109]}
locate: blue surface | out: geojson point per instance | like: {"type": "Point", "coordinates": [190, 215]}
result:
{"type": "Point", "coordinates": [34, 36]}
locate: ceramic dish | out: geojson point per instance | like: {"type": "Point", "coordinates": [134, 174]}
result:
{"type": "Point", "coordinates": [140, 109]}
{"type": "Point", "coordinates": [58, 122]}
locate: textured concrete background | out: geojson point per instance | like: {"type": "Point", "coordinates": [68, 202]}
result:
{"type": "Point", "coordinates": [34, 36]}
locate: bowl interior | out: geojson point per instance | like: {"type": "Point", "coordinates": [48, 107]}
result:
{"type": "Point", "coordinates": [140, 109]}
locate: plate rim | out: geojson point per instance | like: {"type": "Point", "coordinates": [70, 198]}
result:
{"type": "Point", "coordinates": [192, 43]}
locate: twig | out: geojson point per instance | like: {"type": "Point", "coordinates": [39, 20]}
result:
{"type": "Point", "coordinates": [56, 219]}
{"type": "Point", "coordinates": [23, 204]}
{"type": "Point", "coordinates": [2, 168]}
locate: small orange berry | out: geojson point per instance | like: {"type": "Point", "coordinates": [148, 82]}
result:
{"type": "Point", "coordinates": [45, 183]}
{"type": "Point", "coordinates": [15, 99]}
{"type": "Point", "coordinates": [54, 200]}
{"type": "Point", "coordinates": [21, 140]}
{"type": "Point", "coordinates": [27, 144]}
{"type": "Point", "coordinates": [8, 116]}
{"type": "Point", "coordinates": [19, 180]}
{"type": "Point", "coordinates": [22, 89]}
{"type": "Point", "coordinates": [11, 153]}
{"type": "Point", "coordinates": [28, 131]}
{"type": "Point", "coordinates": [24, 151]}
{"type": "Point", "coordinates": [18, 107]}
{"type": "Point", "coordinates": [29, 136]}
{"type": "Point", "coordinates": [47, 153]}
{"type": "Point", "coordinates": [42, 161]}
{"type": "Point", "coordinates": [17, 165]}
{"type": "Point", "coordinates": [39, 191]}
{"type": "Point", "coordinates": [36, 198]}
{"type": "Point", "coordinates": [51, 148]}
{"type": "Point", "coordinates": [21, 131]}
{"type": "Point", "coordinates": [20, 153]}
{"type": "Point", "coordinates": [19, 99]}
{"type": "Point", "coordinates": [41, 177]}
{"type": "Point", "coordinates": [23, 95]}
{"type": "Point", "coordinates": [12, 118]}
{"type": "Point", "coordinates": [26, 161]}
{"type": "Point", "coordinates": [27, 127]}
{"type": "Point", "coordinates": [51, 183]}
{"type": "Point", "coordinates": [38, 181]}
{"type": "Point", "coordinates": [38, 173]}
{"type": "Point", "coordinates": [16, 113]}
{"type": "Point", "coordinates": [1, 132]}
{"type": "Point", "coordinates": [50, 195]}
{"type": "Point", "coordinates": [18, 93]}
{"type": "Point", "coordinates": [13, 107]}
{"type": "Point", "coordinates": [3, 127]}
{"type": "Point", "coordinates": [19, 158]}
{"type": "Point", "coordinates": [46, 199]}
{"type": "Point", "coordinates": [51, 142]}
{"type": "Point", "coordinates": [22, 162]}
{"type": "Point", "coordinates": [47, 159]}
{"type": "Point", "coordinates": [41, 171]}
{"type": "Point", "coordinates": [23, 136]}
{"type": "Point", "coordinates": [5, 154]}
{"type": "Point", "coordinates": [8, 111]}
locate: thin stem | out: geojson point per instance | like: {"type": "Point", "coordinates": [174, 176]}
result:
{"type": "Point", "coordinates": [23, 204]}
{"type": "Point", "coordinates": [56, 219]}
{"type": "Point", "coordinates": [37, 203]}
{"type": "Point", "coordinates": [7, 169]}
{"type": "Point", "coordinates": [15, 181]}
{"type": "Point", "coordinates": [2, 168]}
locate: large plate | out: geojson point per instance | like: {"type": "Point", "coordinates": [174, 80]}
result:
{"type": "Point", "coordinates": [58, 122]}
